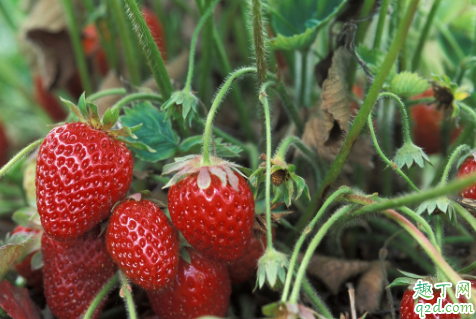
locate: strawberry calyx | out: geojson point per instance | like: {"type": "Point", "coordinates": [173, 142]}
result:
{"type": "Point", "coordinates": [448, 94]}
{"type": "Point", "coordinates": [182, 104]}
{"type": "Point", "coordinates": [190, 164]}
{"type": "Point", "coordinates": [272, 269]}
{"type": "Point", "coordinates": [87, 113]}
{"type": "Point", "coordinates": [288, 310]}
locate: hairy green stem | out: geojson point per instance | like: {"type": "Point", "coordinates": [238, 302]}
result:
{"type": "Point", "coordinates": [302, 238]}
{"type": "Point", "coordinates": [127, 296]}
{"type": "Point", "coordinates": [451, 160]}
{"type": "Point", "coordinates": [137, 96]}
{"type": "Point", "coordinates": [103, 93]}
{"type": "Point", "coordinates": [361, 118]}
{"type": "Point", "coordinates": [406, 122]}
{"type": "Point", "coordinates": [100, 296]}
{"type": "Point", "coordinates": [312, 247]}
{"type": "Point", "coordinates": [124, 35]}
{"type": "Point", "coordinates": [264, 100]}
{"type": "Point", "coordinates": [19, 156]}
{"type": "Point", "coordinates": [203, 20]}
{"type": "Point", "coordinates": [470, 219]}
{"type": "Point", "coordinates": [381, 23]}
{"type": "Point", "coordinates": [236, 94]}
{"type": "Point", "coordinates": [216, 103]}
{"type": "Point", "coordinates": [424, 35]}
{"type": "Point", "coordinates": [75, 36]}
{"type": "Point", "coordinates": [206, 55]}
{"type": "Point", "coordinates": [385, 159]}
{"type": "Point", "coordinates": [385, 121]}
{"type": "Point", "coordinates": [259, 41]}
{"type": "Point", "coordinates": [150, 49]}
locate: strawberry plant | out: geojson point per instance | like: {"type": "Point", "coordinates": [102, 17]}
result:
{"type": "Point", "coordinates": [345, 153]}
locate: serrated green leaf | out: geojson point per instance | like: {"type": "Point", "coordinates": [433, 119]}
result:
{"type": "Point", "coordinates": [402, 281]}
{"type": "Point", "coordinates": [156, 131]}
{"type": "Point", "coordinates": [410, 153]}
{"type": "Point", "coordinates": [407, 84]}
{"type": "Point", "coordinates": [193, 144]}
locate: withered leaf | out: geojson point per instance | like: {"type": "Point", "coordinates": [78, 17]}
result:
{"type": "Point", "coordinates": [370, 288]}
{"type": "Point", "coordinates": [333, 271]}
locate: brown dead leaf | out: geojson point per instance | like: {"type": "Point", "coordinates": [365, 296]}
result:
{"type": "Point", "coordinates": [46, 15]}
{"type": "Point", "coordinates": [111, 81]}
{"type": "Point", "coordinates": [175, 68]}
{"type": "Point", "coordinates": [370, 288]}
{"type": "Point", "coordinates": [333, 271]}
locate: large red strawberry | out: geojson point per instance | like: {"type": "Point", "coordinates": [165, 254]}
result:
{"type": "Point", "coordinates": [74, 273]}
{"type": "Point", "coordinates": [34, 278]}
{"type": "Point", "coordinates": [468, 167]}
{"type": "Point", "coordinates": [407, 305]}
{"type": "Point", "coordinates": [212, 206]}
{"type": "Point", "coordinates": [200, 288]}
{"type": "Point", "coordinates": [143, 243]}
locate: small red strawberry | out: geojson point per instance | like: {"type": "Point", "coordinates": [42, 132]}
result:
{"type": "Point", "coordinates": [212, 206]}
{"type": "Point", "coordinates": [156, 29]}
{"type": "Point", "coordinates": [200, 288]}
{"type": "Point", "coordinates": [74, 273]}
{"type": "Point", "coordinates": [143, 243]}
{"type": "Point", "coordinates": [93, 50]}
{"type": "Point", "coordinates": [4, 146]}
{"type": "Point", "coordinates": [34, 278]}
{"type": "Point", "coordinates": [48, 101]}
{"type": "Point", "coordinates": [407, 305]}
{"type": "Point", "coordinates": [468, 167]}
{"type": "Point", "coordinates": [245, 267]}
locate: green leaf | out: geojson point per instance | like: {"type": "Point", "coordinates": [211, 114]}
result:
{"type": "Point", "coordinates": [374, 60]}
{"type": "Point", "coordinates": [296, 23]}
{"type": "Point", "coordinates": [410, 153]}
{"type": "Point", "coordinates": [27, 217]}
{"type": "Point", "coordinates": [156, 132]}
{"type": "Point", "coordinates": [411, 275]}
{"type": "Point", "coordinates": [407, 84]}
{"type": "Point", "coordinates": [110, 118]}
{"type": "Point", "coordinates": [12, 251]}
{"type": "Point", "coordinates": [193, 145]}
{"type": "Point", "coordinates": [402, 281]}
{"type": "Point", "coordinates": [82, 105]}
{"type": "Point", "coordinates": [37, 261]}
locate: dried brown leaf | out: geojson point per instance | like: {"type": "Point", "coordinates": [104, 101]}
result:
{"type": "Point", "coordinates": [46, 15]}
{"type": "Point", "coordinates": [333, 271]}
{"type": "Point", "coordinates": [370, 288]}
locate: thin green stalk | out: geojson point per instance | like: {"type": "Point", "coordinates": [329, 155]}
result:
{"type": "Point", "coordinates": [19, 156]}
{"type": "Point", "coordinates": [309, 155]}
{"type": "Point", "coordinates": [363, 26]}
{"type": "Point", "coordinates": [236, 94]}
{"type": "Point", "coordinates": [424, 35]}
{"type": "Point", "coordinates": [302, 238]}
{"type": "Point", "coordinates": [318, 303]}
{"type": "Point", "coordinates": [312, 247]}
{"type": "Point", "coordinates": [423, 224]}
{"type": "Point", "coordinates": [137, 96]}
{"type": "Point", "coordinates": [385, 121]}
{"type": "Point", "coordinates": [406, 122]}
{"type": "Point", "coordinates": [75, 36]}
{"type": "Point", "coordinates": [100, 296]}
{"type": "Point", "coordinates": [454, 155]}
{"type": "Point", "coordinates": [439, 232]}
{"type": "Point", "coordinates": [207, 51]}
{"type": "Point", "coordinates": [385, 159]}
{"type": "Point", "coordinates": [308, 75]}
{"type": "Point", "coordinates": [470, 219]}
{"type": "Point", "coordinates": [298, 71]}
{"type": "Point", "coordinates": [150, 49]}
{"type": "Point", "coordinates": [124, 35]}
{"type": "Point", "coordinates": [362, 116]}
{"type": "Point", "coordinates": [259, 41]}
{"type": "Point", "coordinates": [264, 100]}
{"type": "Point", "coordinates": [289, 106]}
{"type": "Point", "coordinates": [446, 33]}
{"type": "Point", "coordinates": [103, 93]}
{"type": "Point", "coordinates": [127, 296]}
{"type": "Point", "coordinates": [216, 103]}
{"type": "Point", "coordinates": [204, 19]}
{"type": "Point", "coordinates": [381, 23]}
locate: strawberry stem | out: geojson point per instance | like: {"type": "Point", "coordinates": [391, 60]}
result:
{"type": "Point", "coordinates": [403, 111]}
{"type": "Point", "coordinates": [203, 19]}
{"type": "Point", "coordinates": [150, 49]}
{"type": "Point", "coordinates": [361, 118]}
{"type": "Point", "coordinates": [259, 37]}
{"type": "Point", "coordinates": [451, 160]}
{"type": "Point", "coordinates": [470, 219]}
{"type": "Point", "coordinates": [19, 156]}
{"type": "Point", "coordinates": [381, 23]}
{"type": "Point", "coordinates": [100, 296]}
{"type": "Point", "coordinates": [126, 294]}
{"type": "Point", "coordinates": [134, 97]}
{"type": "Point", "coordinates": [103, 93]}
{"type": "Point", "coordinates": [302, 238]}
{"type": "Point", "coordinates": [385, 159]}
{"type": "Point", "coordinates": [75, 36]}
{"type": "Point", "coordinates": [216, 103]}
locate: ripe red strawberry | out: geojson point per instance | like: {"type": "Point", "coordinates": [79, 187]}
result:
{"type": "Point", "coordinates": [143, 243]}
{"type": "Point", "coordinates": [200, 288]}
{"type": "Point", "coordinates": [245, 267]}
{"type": "Point", "coordinates": [48, 101]}
{"type": "Point", "coordinates": [407, 305]}
{"type": "Point", "coordinates": [214, 209]}
{"type": "Point", "coordinates": [93, 50]}
{"type": "Point", "coordinates": [74, 273]}
{"type": "Point", "coordinates": [34, 278]}
{"type": "Point", "coordinates": [81, 173]}
{"type": "Point", "coordinates": [156, 29]}
{"type": "Point", "coordinates": [468, 167]}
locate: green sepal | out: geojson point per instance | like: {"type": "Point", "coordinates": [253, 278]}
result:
{"type": "Point", "coordinates": [74, 109]}
{"type": "Point", "coordinates": [110, 118]}
{"type": "Point", "coordinates": [37, 260]}
{"type": "Point", "coordinates": [402, 281]}
{"type": "Point", "coordinates": [82, 104]}
{"type": "Point", "coordinates": [270, 269]}
{"type": "Point", "coordinates": [410, 153]}
{"type": "Point", "coordinates": [125, 132]}
{"type": "Point", "coordinates": [411, 275]}
{"type": "Point", "coordinates": [137, 145]}
{"type": "Point", "coordinates": [182, 104]}
{"type": "Point", "coordinates": [468, 270]}
{"type": "Point", "coordinates": [443, 204]}
{"type": "Point", "coordinates": [27, 217]}
{"type": "Point", "coordinates": [278, 194]}
{"type": "Point", "coordinates": [93, 115]}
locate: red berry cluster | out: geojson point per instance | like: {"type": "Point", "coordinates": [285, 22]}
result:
{"type": "Point", "coordinates": [82, 178]}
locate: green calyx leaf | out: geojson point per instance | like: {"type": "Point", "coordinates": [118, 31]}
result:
{"type": "Point", "coordinates": [402, 281]}
{"type": "Point", "coordinates": [296, 23]}
{"type": "Point", "coordinates": [442, 203]}
{"type": "Point", "coordinates": [156, 140]}
{"type": "Point", "coordinates": [407, 84]}
{"type": "Point", "coordinates": [27, 217]}
{"type": "Point", "coordinates": [193, 144]}
{"type": "Point", "coordinates": [410, 153]}
{"type": "Point", "coordinates": [182, 104]}
{"type": "Point", "coordinates": [272, 269]}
